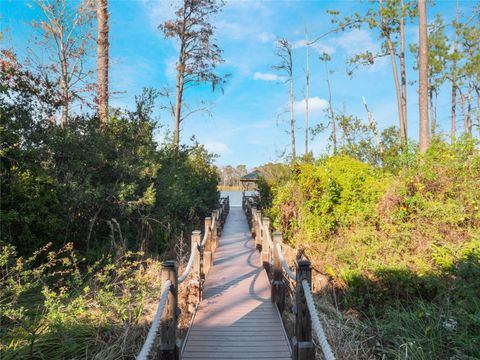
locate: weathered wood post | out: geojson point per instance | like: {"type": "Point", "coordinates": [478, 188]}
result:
{"type": "Point", "coordinates": [251, 220]}
{"type": "Point", "coordinates": [207, 255]}
{"type": "Point", "coordinates": [220, 213]}
{"type": "Point", "coordinates": [303, 348]}
{"type": "Point", "coordinates": [168, 325]}
{"type": "Point", "coordinates": [265, 245]}
{"type": "Point", "coordinates": [214, 231]}
{"type": "Point", "coordinates": [259, 231]}
{"type": "Point", "coordinates": [198, 262]}
{"type": "Point", "coordinates": [278, 287]}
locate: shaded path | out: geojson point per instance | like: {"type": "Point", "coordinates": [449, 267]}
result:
{"type": "Point", "coordinates": [236, 319]}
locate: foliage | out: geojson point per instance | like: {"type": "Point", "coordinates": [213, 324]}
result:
{"type": "Point", "coordinates": [273, 175]}
{"type": "Point", "coordinates": [49, 308]}
{"type": "Point", "coordinates": [94, 185]}
{"type": "Point", "coordinates": [326, 195]}
{"type": "Point", "coordinates": [76, 200]}
{"type": "Point", "coordinates": [403, 251]}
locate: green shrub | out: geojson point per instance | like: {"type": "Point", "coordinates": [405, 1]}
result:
{"type": "Point", "coordinates": [403, 250]}
{"type": "Point", "coordinates": [326, 195]}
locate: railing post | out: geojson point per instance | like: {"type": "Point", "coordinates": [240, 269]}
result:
{"type": "Point", "coordinates": [252, 222]}
{"type": "Point", "coordinates": [198, 263]}
{"type": "Point", "coordinates": [265, 244]}
{"type": "Point", "coordinates": [303, 348]}
{"type": "Point", "coordinates": [214, 230]}
{"type": "Point", "coordinates": [168, 326]}
{"type": "Point", "coordinates": [259, 231]}
{"type": "Point", "coordinates": [220, 213]}
{"type": "Point", "coordinates": [278, 287]}
{"type": "Point", "coordinates": [207, 255]}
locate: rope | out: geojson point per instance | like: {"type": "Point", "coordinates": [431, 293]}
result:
{"type": "Point", "coordinates": [147, 345]}
{"type": "Point", "coordinates": [284, 263]}
{"type": "Point", "coordinates": [269, 237]}
{"type": "Point", "coordinates": [188, 268]}
{"type": "Point", "coordinates": [316, 324]}
{"type": "Point", "coordinates": [205, 237]}
{"type": "Point", "coordinates": [214, 219]}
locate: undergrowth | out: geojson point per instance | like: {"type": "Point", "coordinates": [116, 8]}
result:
{"type": "Point", "coordinates": [401, 250]}
{"type": "Point", "coordinates": [54, 306]}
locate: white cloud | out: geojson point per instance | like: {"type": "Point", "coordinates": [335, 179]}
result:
{"type": "Point", "coordinates": [217, 147]}
{"type": "Point", "coordinates": [265, 37]}
{"type": "Point", "coordinates": [267, 77]}
{"type": "Point", "coordinates": [357, 41]}
{"type": "Point", "coordinates": [319, 46]}
{"type": "Point", "coordinates": [314, 104]}
{"type": "Point", "coordinates": [160, 11]}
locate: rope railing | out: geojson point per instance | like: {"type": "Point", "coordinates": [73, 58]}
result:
{"type": "Point", "coordinates": [306, 314]}
{"type": "Point", "coordinates": [285, 266]}
{"type": "Point", "coordinates": [189, 266]}
{"type": "Point", "coordinates": [164, 323]}
{"type": "Point", "coordinates": [316, 324]}
{"type": "Point", "coordinates": [152, 332]}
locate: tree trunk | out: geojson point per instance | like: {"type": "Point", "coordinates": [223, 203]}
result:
{"type": "Point", "coordinates": [464, 111]}
{"type": "Point", "coordinates": [373, 126]}
{"type": "Point", "coordinates": [423, 75]}
{"type": "Point", "coordinates": [477, 90]}
{"type": "Point", "coordinates": [454, 81]}
{"type": "Point", "coordinates": [469, 110]}
{"type": "Point", "coordinates": [292, 119]}
{"type": "Point", "coordinates": [391, 50]}
{"type": "Point", "coordinates": [179, 96]}
{"type": "Point", "coordinates": [178, 108]}
{"type": "Point", "coordinates": [64, 83]}
{"type": "Point", "coordinates": [306, 102]}
{"type": "Point", "coordinates": [102, 54]}
{"type": "Point", "coordinates": [433, 120]}
{"type": "Point", "coordinates": [403, 75]}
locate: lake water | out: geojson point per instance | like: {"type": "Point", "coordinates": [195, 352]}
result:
{"type": "Point", "coordinates": [235, 196]}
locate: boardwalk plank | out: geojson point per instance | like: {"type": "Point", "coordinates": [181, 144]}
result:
{"type": "Point", "coordinates": [236, 319]}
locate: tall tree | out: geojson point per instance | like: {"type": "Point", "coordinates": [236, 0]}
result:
{"type": "Point", "coordinates": [470, 72]}
{"type": "Point", "coordinates": [403, 71]}
{"type": "Point", "coordinates": [373, 125]}
{"type": "Point", "coordinates": [198, 54]}
{"type": "Point", "coordinates": [66, 37]}
{"type": "Point", "coordinates": [438, 57]}
{"type": "Point", "coordinates": [307, 90]}
{"type": "Point", "coordinates": [102, 59]}
{"type": "Point", "coordinates": [389, 19]}
{"type": "Point", "coordinates": [454, 73]}
{"type": "Point", "coordinates": [284, 52]}
{"type": "Point", "coordinates": [329, 111]}
{"type": "Point", "coordinates": [423, 74]}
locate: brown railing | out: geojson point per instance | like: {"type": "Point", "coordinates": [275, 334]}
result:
{"type": "Point", "coordinates": [306, 315]}
{"type": "Point", "coordinates": [162, 337]}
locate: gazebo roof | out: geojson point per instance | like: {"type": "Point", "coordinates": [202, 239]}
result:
{"type": "Point", "coordinates": [251, 177]}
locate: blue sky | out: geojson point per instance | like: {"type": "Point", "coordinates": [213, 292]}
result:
{"type": "Point", "coordinates": [249, 120]}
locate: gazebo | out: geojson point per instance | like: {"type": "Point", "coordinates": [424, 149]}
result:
{"type": "Point", "coordinates": [250, 179]}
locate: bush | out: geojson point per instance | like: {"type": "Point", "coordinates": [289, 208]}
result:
{"type": "Point", "coordinates": [50, 309]}
{"type": "Point", "coordinates": [403, 251]}
{"type": "Point", "coordinates": [94, 185]}
{"type": "Point", "coordinates": [324, 196]}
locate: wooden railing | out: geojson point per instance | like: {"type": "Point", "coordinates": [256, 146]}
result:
{"type": "Point", "coordinates": [162, 337]}
{"type": "Point", "coordinates": [306, 315]}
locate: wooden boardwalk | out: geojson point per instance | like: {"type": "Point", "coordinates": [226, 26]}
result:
{"type": "Point", "coordinates": [236, 319]}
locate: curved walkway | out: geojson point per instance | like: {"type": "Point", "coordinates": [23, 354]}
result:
{"type": "Point", "coordinates": [236, 319]}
